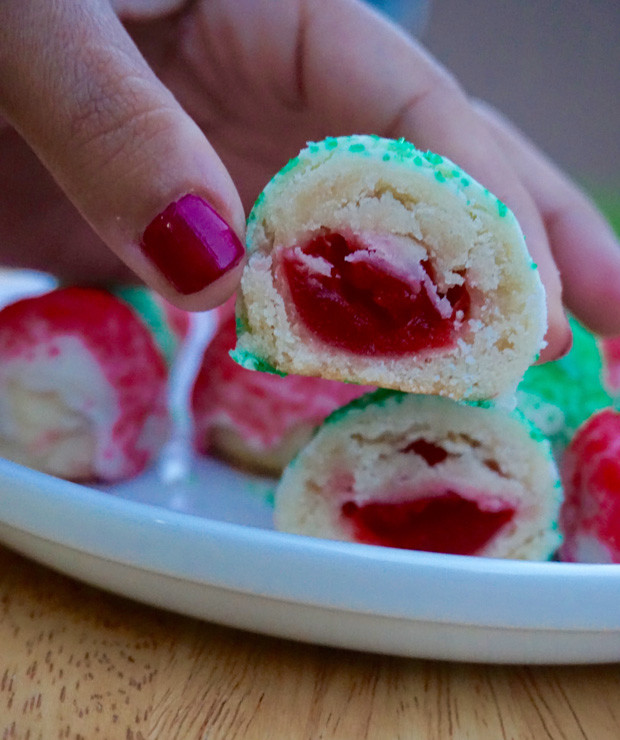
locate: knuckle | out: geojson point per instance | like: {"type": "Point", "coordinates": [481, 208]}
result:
{"type": "Point", "coordinates": [118, 109]}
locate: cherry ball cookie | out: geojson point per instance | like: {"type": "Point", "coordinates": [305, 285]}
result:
{"type": "Point", "coordinates": [590, 514]}
{"type": "Point", "coordinates": [425, 473]}
{"type": "Point", "coordinates": [257, 420]}
{"type": "Point", "coordinates": [83, 386]}
{"type": "Point", "coordinates": [373, 262]}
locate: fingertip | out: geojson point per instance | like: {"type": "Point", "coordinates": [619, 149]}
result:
{"type": "Point", "coordinates": [558, 339]}
{"type": "Point", "coordinates": [212, 296]}
{"type": "Point", "coordinates": [588, 255]}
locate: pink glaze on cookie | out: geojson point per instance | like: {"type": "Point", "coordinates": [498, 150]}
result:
{"type": "Point", "coordinates": [132, 423]}
{"type": "Point", "coordinates": [261, 407]}
{"type": "Point", "coordinates": [590, 514]}
{"type": "Point", "coordinates": [367, 295]}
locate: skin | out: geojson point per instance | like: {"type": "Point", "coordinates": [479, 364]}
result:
{"type": "Point", "coordinates": [112, 111]}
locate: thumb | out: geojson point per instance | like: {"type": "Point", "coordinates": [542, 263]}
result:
{"type": "Point", "coordinates": [131, 160]}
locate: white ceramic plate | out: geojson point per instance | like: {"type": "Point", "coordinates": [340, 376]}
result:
{"type": "Point", "coordinates": [195, 537]}
{"type": "Point", "coordinates": [204, 547]}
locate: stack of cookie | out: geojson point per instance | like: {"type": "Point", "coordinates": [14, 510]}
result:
{"type": "Point", "coordinates": [371, 262]}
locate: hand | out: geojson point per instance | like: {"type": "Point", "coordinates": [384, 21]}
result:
{"type": "Point", "coordinates": [252, 80]}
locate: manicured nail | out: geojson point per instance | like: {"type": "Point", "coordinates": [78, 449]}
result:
{"type": "Point", "coordinates": [191, 244]}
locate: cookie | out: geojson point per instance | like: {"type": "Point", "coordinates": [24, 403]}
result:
{"type": "Point", "coordinates": [590, 514]}
{"type": "Point", "coordinates": [425, 473]}
{"type": "Point", "coordinates": [257, 420]}
{"type": "Point", "coordinates": [373, 262]}
{"type": "Point", "coordinates": [559, 396]}
{"type": "Point", "coordinates": [82, 386]}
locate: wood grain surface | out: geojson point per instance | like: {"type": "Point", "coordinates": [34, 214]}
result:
{"type": "Point", "coordinates": [80, 664]}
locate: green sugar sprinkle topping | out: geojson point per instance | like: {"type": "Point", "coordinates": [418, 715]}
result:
{"type": "Point", "coordinates": [483, 403]}
{"type": "Point", "coordinates": [382, 396]}
{"type": "Point", "coordinates": [573, 383]}
{"type": "Point", "coordinates": [395, 150]}
{"type": "Point", "coordinates": [240, 325]}
{"type": "Point", "coordinates": [433, 158]}
{"type": "Point", "coordinates": [252, 362]}
{"type": "Point", "coordinates": [402, 148]}
{"type": "Point", "coordinates": [375, 398]}
{"type": "Point", "coordinates": [290, 165]}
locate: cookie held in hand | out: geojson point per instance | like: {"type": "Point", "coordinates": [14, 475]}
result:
{"type": "Point", "coordinates": [372, 262]}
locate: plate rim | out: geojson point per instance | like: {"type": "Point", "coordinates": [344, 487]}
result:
{"type": "Point", "coordinates": [235, 553]}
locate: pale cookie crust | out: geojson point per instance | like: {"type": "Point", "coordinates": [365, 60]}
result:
{"type": "Point", "coordinates": [365, 184]}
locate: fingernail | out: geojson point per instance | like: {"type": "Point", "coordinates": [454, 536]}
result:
{"type": "Point", "coordinates": [191, 244]}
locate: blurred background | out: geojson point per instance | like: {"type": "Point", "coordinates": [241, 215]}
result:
{"type": "Point", "coordinates": [551, 66]}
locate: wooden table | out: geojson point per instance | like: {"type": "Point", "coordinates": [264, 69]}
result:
{"type": "Point", "coordinates": [81, 664]}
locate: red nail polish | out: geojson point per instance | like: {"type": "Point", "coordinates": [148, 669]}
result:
{"type": "Point", "coordinates": [191, 244]}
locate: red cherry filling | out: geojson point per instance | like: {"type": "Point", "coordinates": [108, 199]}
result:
{"type": "Point", "coordinates": [357, 305]}
{"type": "Point", "coordinates": [447, 523]}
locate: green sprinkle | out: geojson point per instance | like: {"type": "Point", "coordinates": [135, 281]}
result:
{"type": "Point", "coordinates": [376, 398]}
{"type": "Point", "coordinates": [290, 165]}
{"type": "Point", "coordinates": [502, 208]}
{"type": "Point", "coordinates": [314, 148]}
{"type": "Point", "coordinates": [464, 181]}
{"type": "Point", "coordinates": [419, 161]}
{"type": "Point", "coordinates": [433, 158]}
{"type": "Point", "coordinates": [240, 326]}
{"type": "Point", "coordinates": [439, 177]}
{"type": "Point", "coordinates": [331, 142]}
{"type": "Point", "coordinates": [386, 157]}
{"type": "Point", "coordinates": [455, 173]}
{"type": "Point", "coordinates": [251, 362]}
{"type": "Point", "coordinates": [534, 266]}
{"type": "Point", "coordinates": [573, 384]}
{"type": "Point", "coordinates": [402, 148]}
{"type": "Point", "coordinates": [480, 403]}
{"type": "Point", "coordinates": [357, 148]}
